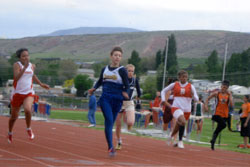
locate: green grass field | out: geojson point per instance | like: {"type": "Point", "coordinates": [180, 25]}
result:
{"type": "Point", "coordinates": [76, 115]}
{"type": "Point", "coordinates": [229, 140]}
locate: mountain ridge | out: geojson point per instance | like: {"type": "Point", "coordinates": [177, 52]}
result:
{"type": "Point", "coordinates": [190, 44]}
{"type": "Point", "coordinates": [91, 30]}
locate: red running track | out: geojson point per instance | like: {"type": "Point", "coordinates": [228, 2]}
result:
{"type": "Point", "coordinates": [61, 145]}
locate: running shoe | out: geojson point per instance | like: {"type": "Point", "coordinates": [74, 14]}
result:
{"type": "Point", "coordinates": [9, 137]}
{"type": "Point", "coordinates": [118, 146]}
{"type": "Point", "coordinates": [175, 144]}
{"type": "Point", "coordinates": [112, 152]}
{"type": "Point", "coordinates": [180, 144]}
{"type": "Point", "coordinates": [31, 134]}
{"type": "Point", "coordinates": [91, 125]}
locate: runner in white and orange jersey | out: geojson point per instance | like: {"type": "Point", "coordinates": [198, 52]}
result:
{"type": "Point", "coordinates": [23, 93]}
{"type": "Point", "coordinates": [183, 92]}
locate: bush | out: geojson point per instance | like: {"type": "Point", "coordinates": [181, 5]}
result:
{"type": "Point", "coordinates": [147, 96]}
{"type": "Point", "coordinates": [66, 90]}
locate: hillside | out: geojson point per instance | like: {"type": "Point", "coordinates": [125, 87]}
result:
{"type": "Point", "coordinates": [91, 30]}
{"type": "Point", "coordinates": [190, 44]}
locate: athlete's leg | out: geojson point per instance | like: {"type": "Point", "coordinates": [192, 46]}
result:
{"type": "Point", "coordinates": [13, 117]}
{"type": "Point", "coordinates": [221, 124]}
{"type": "Point", "coordinates": [27, 105]}
{"type": "Point", "coordinates": [108, 117]}
{"type": "Point", "coordinates": [130, 118]}
{"type": "Point", "coordinates": [181, 121]}
{"type": "Point", "coordinates": [198, 126]}
{"type": "Point", "coordinates": [118, 125]}
{"type": "Point", "coordinates": [165, 127]}
{"type": "Point", "coordinates": [245, 138]}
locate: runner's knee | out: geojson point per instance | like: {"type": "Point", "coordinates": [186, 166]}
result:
{"type": "Point", "coordinates": [13, 117]}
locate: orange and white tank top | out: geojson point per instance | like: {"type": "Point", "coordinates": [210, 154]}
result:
{"type": "Point", "coordinates": [182, 96]}
{"type": "Point", "coordinates": [222, 105]}
{"type": "Point", "coordinates": [180, 91]}
{"type": "Point", "coordinates": [25, 83]}
{"type": "Point", "coordinates": [245, 110]}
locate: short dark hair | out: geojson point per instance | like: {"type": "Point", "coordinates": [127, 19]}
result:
{"type": "Point", "coordinates": [200, 97]}
{"type": "Point", "coordinates": [226, 83]}
{"type": "Point", "coordinates": [20, 51]}
{"type": "Point", "coordinates": [116, 48]}
{"type": "Point", "coordinates": [171, 80]}
{"type": "Point", "coordinates": [247, 97]}
{"type": "Point", "coordinates": [182, 72]}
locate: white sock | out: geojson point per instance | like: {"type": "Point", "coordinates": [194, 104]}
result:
{"type": "Point", "coordinates": [119, 140]}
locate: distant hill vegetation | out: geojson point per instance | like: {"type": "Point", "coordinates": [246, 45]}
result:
{"type": "Point", "coordinates": [92, 30]}
{"type": "Point", "coordinates": [190, 44]}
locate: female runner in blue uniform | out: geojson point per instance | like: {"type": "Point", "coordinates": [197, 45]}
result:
{"type": "Point", "coordinates": [115, 86]}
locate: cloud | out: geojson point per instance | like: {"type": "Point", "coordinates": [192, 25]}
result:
{"type": "Point", "coordinates": [35, 17]}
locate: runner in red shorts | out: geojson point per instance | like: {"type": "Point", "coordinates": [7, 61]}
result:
{"type": "Point", "coordinates": [181, 107]}
{"type": "Point", "coordinates": [23, 93]}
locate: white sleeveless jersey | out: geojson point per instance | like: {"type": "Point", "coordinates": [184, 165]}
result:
{"type": "Point", "coordinates": [25, 83]}
{"type": "Point", "coordinates": [112, 76]}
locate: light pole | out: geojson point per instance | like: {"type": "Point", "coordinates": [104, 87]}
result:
{"type": "Point", "coordinates": [225, 61]}
{"type": "Point", "coordinates": [165, 65]}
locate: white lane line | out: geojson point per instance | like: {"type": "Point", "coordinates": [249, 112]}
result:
{"type": "Point", "coordinates": [64, 152]}
{"type": "Point", "coordinates": [30, 159]}
{"type": "Point", "coordinates": [130, 157]}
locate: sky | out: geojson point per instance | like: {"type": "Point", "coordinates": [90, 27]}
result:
{"type": "Point", "coordinates": [35, 17]}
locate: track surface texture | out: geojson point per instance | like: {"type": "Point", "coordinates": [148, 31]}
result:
{"type": "Point", "coordinates": [66, 145]}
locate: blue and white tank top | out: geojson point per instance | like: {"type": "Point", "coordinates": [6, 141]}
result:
{"type": "Point", "coordinates": [112, 76]}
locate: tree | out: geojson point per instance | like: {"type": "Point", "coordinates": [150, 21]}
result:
{"type": "Point", "coordinates": [200, 71]}
{"type": "Point", "coordinates": [97, 67]}
{"type": "Point", "coordinates": [238, 68]}
{"type": "Point", "coordinates": [48, 72]}
{"type": "Point", "coordinates": [67, 69]}
{"type": "Point", "coordinates": [55, 72]}
{"type": "Point", "coordinates": [159, 77]}
{"type": "Point", "coordinates": [158, 59]}
{"type": "Point", "coordinates": [148, 64]}
{"type": "Point", "coordinates": [5, 69]}
{"type": "Point", "coordinates": [136, 61]}
{"type": "Point", "coordinates": [213, 66]}
{"type": "Point", "coordinates": [149, 86]}
{"type": "Point", "coordinates": [172, 63]}
{"type": "Point", "coordinates": [234, 63]}
{"type": "Point", "coordinates": [13, 59]}
{"type": "Point", "coordinates": [82, 84]}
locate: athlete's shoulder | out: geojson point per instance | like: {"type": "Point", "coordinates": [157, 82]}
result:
{"type": "Point", "coordinates": [122, 69]}
{"type": "Point", "coordinates": [17, 65]}
{"type": "Point", "coordinates": [248, 105]}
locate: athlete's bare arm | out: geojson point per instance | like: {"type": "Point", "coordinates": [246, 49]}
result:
{"type": "Point", "coordinates": [165, 103]}
{"type": "Point", "coordinates": [18, 72]}
{"type": "Point", "coordinates": [210, 97]}
{"type": "Point", "coordinates": [230, 99]}
{"type": "Point", "coordinates": [35, 78]}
